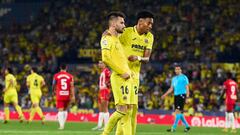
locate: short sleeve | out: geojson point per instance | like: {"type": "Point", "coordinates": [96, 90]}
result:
{"type": "Point", "coordinates": [105, 43]}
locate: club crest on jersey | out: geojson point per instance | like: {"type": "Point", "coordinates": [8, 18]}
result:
{"type": "Point", "coordinates": [104, 42]}
{"type": "Point", "coordinates": [146, 40]}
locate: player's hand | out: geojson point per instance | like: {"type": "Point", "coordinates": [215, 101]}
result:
{"type": "Point", "coordinates": [132, 58]}
{"type": "Point", "coordinates": [163, 96]}
{"type": "Point", "coordinates": [125, 76]}
{"type": "Point", "coordinates": [73, 99]}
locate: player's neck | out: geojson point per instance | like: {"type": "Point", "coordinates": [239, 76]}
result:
{"type": "Point", "coordinates": [63, 70]}
{"type": "Point", "coordinates": [139, 31]}
{"type": "Point", "coordinates": [112, 31]}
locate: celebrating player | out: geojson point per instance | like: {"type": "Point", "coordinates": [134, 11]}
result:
{"type": "Point", "coordinates": [230, 87]}
{"type": "Point", "coordinates": [103, 96]}
{"type": "Point", "coordinates": [34, 83]}
{"type": "Point", "coordinates": [114, 57]}
{"type": "Point", "coordinates": [181, 90]}
{"type": "Point", "coordinates": [137, 43]}
{"type": "Point", "coordinates": [63, 85]}
{"type": "Point", "coordinates": [10, 95]}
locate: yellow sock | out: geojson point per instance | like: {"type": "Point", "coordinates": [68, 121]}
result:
{"type": "Point", "coordinates": [32, 113]}
{"type": "Point", "coordinates": [126, 124]}
{"type": "Point", "coordinates": [115, 117]}
{"type": "Point", "coordinates": [6, 111]}
{"type": "Point", "coordinates": [134, 119]}
{"type": "Point", "coordinates": [19, 110]}
{"type": "Point", "coordinates": [39, 111]}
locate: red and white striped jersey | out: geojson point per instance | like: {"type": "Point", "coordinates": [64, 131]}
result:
{"type": "Point", "coordinates": [104, 79]}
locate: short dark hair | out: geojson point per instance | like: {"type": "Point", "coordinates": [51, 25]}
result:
{"type": "Point", "coordinates": [145, 14]}
{"type": "Point", "coordinates": [63, 66]}
{"type": "Point", "coordinates": [115, 14]}
{"type": "Point", "coordinates": [177, 65]}
{"type": "Point", "coordinates": [229, 75]}
{"type": "Point", "coordinates": [9, 70]}
{"type": "Point", "coordinates": [34, 69]}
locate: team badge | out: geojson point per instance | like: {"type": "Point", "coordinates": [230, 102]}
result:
{"type": "Point", "coordinates": [146, 40]}
{"type": "Point", "coordinates": [104, 42]}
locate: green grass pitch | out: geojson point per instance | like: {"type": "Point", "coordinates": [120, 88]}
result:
{"type": "Point", "coordinates": [77, 128]}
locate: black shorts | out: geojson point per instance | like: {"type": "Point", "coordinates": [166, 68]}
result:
{"type": "Point", "coordinates": [179, 101]}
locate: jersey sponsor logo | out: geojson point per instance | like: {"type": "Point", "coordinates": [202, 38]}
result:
{"type": "Point", "coordinates": [60, 76]}
{"type": "Point", "coordinates": [64, 93]}
{"type": "Point", "coordinates": [138, 46]}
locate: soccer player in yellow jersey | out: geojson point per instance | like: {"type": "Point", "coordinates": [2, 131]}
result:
{"type": "Point", "coordinates": [137, 43]}
{"type": "Point", "coordinates": [10, 95]}
{"type": "Point", "coordinates": [34, 83]}
{"type": "Point", "coordinates": [113, 56]}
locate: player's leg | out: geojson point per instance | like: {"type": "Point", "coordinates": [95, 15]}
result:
{"type": "Point", "coordinates": [176, 113]}
{"type": "Point", "coordinates": [65, 112]}
{"type": "Point", "coordinates": [232, 119]}
{"type": "Point", "coordinates": [122, 99]}
{"type": "Point", "coordinates": [38, 108]}
{"type": "Point", "coordinates": [105, 102]}
{"type": "Point", "coordinates": [182, 101]}
{"type": "Point", "coordinates": [227, 118]}
{"type": "Point", "coordinates": [100, 114]}
{"type": "Point", "coordinates": [14, 100]}
{"type": "Point", "coordinates": [134, 102]}
{"type": "Point", "coordinates": [105, 112]}
{"type": "Point", "coordinates": [60, 115]}
{"type": "Point", "coordinates": [6, 108]}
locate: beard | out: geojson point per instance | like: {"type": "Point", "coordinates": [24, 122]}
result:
{"type": "Point", "coordinates": [119, 30]}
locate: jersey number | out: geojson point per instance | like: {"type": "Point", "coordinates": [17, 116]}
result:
{"type": "Point", "coordinates": [233, 96]}
{"type": "Point", "coordinates": [63, 84]}
{"type": "Point", "coordinates": [35, 83]}
{"type": "Point", "coordinates": [136, 90]}
{"type": "Point", "coordinates": [124, 90]}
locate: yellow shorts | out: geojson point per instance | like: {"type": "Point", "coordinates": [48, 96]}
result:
{"type": "Point", "coordinates": [134, 92]}
{"type": "Point", "coordinates": [35, 97]}
{"type": "Point", "coordinates": [10, 98]}
{"type": "Point", "coordinates": [121, 89]}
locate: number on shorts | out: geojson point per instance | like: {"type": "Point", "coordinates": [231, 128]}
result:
{"type": "Point", "coordinates": [124, 90]}
{"type": "Point", "coordinates": [63, 84]}
{"type": "Point", "coordinates": [136, 90]}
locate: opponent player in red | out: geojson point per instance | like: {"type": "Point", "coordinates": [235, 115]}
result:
{"type": "Point", "coordinates": [63, 86]}
{"type": "Point", "coordinates": [103, 96]}
{"type": "Point", "coordinates": [230, 87]}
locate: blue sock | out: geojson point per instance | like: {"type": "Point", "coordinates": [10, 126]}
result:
{"type": "Point", "coordinates": [184, 120]}
{"type": "Point", "coordinates": [178, 117]}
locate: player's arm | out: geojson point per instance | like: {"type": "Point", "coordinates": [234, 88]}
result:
{"type": "Point", "coordinates": [72, 91]}
{"type": "Point", "coordinates": [9, 85]}
{"type": "Point", "coordinates": [170, 90]}
{"type": "Point", "coordinates": [43, 83]}
{"type": "Point", "coordinates": [187, 90]}
{"type": "Point", "coordinates": [107, 59]}
{"type": "Point", "coordinates": [54, 85]}
{"type": "Point", "coordinates": [146, 54]}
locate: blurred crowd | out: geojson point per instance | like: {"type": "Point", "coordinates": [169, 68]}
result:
{"type": "Point", "coordinates": [199, 32]}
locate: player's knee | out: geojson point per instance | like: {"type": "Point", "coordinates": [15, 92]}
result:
{"type": "Point", "coordinates": [6, 104]}
{"type": "Point", "coordinates": [35, 105]}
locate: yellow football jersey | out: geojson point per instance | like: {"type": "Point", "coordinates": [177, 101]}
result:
{"type": "Point", "coordinates": [35, 82]}
{"type": "Point", "coordinates": [10, 88]}
{"type": "Point", "coordinates": [113, 55]}
{"type": "Point", "coordinates": [135, 44]}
